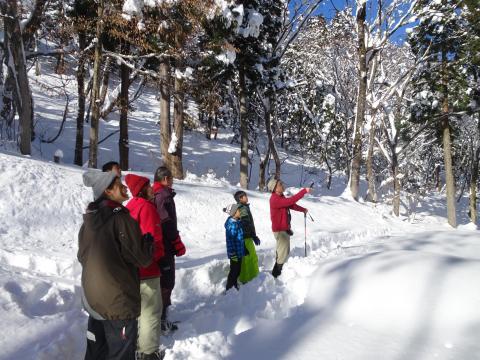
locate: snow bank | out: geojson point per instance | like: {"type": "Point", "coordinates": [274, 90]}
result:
{"type": "Point", "coordinates": [370, 285]}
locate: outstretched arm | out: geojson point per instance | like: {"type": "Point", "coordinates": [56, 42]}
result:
{"type": "Point", "coordinates": [284, 202]}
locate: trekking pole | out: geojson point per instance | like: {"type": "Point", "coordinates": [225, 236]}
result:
{"type": "Point", "coordinates": [305, 223]}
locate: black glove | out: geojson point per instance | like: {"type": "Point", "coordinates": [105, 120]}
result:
{"type": "Point", "coordinates": [289, 232]}
{"type": "Point", "coordinates": [256, 240]}
{"type": "Point", "coordinates": [148, 238]}
{"type": "Point", "coordinates": [164, 264]}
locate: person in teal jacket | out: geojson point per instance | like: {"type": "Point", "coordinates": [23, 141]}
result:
{"type": "Point", "coordinates": [249, 269]}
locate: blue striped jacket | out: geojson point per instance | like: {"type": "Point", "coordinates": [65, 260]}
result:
{"type": "Point", "coordinates": [234, 237]}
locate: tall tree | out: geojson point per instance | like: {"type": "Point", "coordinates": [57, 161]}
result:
{"type": "Point", "coordinates": [97, 64]}
{"type": "Point", "coordinates": [17, 79]}
{"type": "Point", "coordinates": [440, 83]}
{"type": "Point", "coordinates": [373, 33]}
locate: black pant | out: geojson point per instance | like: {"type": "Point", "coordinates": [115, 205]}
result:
{"type": "Point", "coordinates": [111, 339]}
{"type": "Point", "coordinates": [167, 281]}
{"type": "Point", "coordinates": [234, 273]}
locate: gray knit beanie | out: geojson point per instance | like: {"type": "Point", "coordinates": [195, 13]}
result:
{"type": "Point", "coordinates": [231, 209]}
{"type": "Point", "coordinates": [98, 181]}
{"type": "Point", "coordinates": [272, 183]}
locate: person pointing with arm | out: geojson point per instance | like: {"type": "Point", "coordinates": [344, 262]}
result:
{"type": "Point", "coordinates": [280, 207]}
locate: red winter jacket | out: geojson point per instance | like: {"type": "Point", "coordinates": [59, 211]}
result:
{"type": "Point", "coordinates": [279, 206]}
{"type": "Point", "coordinates": [146, 215]}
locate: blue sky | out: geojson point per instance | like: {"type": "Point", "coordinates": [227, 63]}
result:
{"type": "Point", "coordinates": [328, 9]}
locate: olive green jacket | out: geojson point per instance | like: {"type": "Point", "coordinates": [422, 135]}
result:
{"type": "Point", "coordinates": [248, 225]}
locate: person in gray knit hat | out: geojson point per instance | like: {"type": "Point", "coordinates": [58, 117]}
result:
{"type": "Point", "coordinates": [98, 181]}
{"type": "Point", "coordinates": [231, 209]}
{"type": "Point", "coordinates": [111, 249]}
{"type": "Point", "coordinates": [235, 244]}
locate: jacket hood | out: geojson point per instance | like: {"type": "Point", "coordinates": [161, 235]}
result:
{"type": "Point", "coordinates": [98, 213]}
{"type": "Point", "coordinates": [229, 220]}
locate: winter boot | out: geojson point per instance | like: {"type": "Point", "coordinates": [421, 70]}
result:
{"type": "Point", "coordinates": [157, 355]}
{"type": "Point", "coordinates": [277, 270]}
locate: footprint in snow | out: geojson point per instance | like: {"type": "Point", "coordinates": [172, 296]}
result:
{"type": "Point", "coordinates": [42, 299]}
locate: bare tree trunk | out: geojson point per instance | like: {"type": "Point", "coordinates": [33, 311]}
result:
{"type": "Point", "coordinates": [371, 194]}
{"type": "Point", "coordinates": [262, 169]}
{"type": "Point", "coordinates": [450, 180]}
{"type": "Point", "coordinates": [447, 149]}
{"type": "Point", "coordinates": [269, 102]}
{"type": "Point", "coordinates": [94, 122]}
{"type": "Point", "coordinates": [60, 67]}
{"type": "Point", "coordinates": [18, 72]}
{"type": "Point", "coordinates": [82, 40]}
{"type": "Point", "coordinates": [396, 184]}
{"type": "Point", "coordinates": [178, 112]}
{"type": "Point", "coordinates": [243, 131]}
{"type": "Point", "coordinates": [107, 68]}
{"type": "Point", "coordinates": [208, 133]}
{"type": "Point", "coordinates": [330, 172]}
{"type": "Point", "coordinates": [473, 186]}
{"type": "Point", "coordinates": [361, 104]}
{"type": "Point", "coordinates": [37, 61]}
{"type": "Point", "coordinates": [123, 137]}
{"type": "Point", "coordinates": [165, 126]}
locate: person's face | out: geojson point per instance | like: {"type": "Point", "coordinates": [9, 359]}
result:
{"type": "Point", "coordinates": [116, 169]}
{"type": "Point", "coordinates": [118, 192]}
{"type": "Point", "coordinates": [149, 192]}
{"type": "Point", "coordinates": [280, 188]}
{"type": "Point", "coordinates": [243, 199]}
{"type": "Point", "coordinates": [167, 181]}
{"type": "Point", "coordinates": [237, 214]}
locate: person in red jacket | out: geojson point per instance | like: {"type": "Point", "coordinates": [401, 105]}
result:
{"type": "Point", "coordinates": [142, 210]}
{"type": "Point", "coordinates": [280, 207]}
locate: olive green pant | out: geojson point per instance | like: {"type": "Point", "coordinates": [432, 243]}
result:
{"type": "Point", "coordinates": [149, 329]}
{"type": "Point", "coordinates": [283, 246]}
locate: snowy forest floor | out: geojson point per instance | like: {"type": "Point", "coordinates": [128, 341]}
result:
{"type": "Point", "coordinates": [372, 286]}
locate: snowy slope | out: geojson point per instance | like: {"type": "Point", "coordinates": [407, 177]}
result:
{"type": "Point", "coordinates": [372, 287]}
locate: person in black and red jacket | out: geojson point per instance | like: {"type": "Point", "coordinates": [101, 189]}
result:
{"type": "Point", "coordinates": [173, 245]}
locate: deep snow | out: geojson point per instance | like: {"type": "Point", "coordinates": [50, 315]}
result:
{"type": "Point", "coordinates": [372, 286]}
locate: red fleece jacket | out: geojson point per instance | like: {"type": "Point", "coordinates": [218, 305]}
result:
{"type": "Point", "coordinates": [279, 205]}
{"type": "Point", "coordinates": [147, 217]}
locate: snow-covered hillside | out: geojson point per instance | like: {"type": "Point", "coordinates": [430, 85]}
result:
{"type": "Point", "coordinates": [372, 287]}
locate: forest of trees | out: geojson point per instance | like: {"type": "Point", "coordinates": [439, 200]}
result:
{"type": "Point", "coordinates": [386, 90]}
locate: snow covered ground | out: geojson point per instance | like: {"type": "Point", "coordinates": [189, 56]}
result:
{"type": "Point", "coordinates": [372, 286]}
